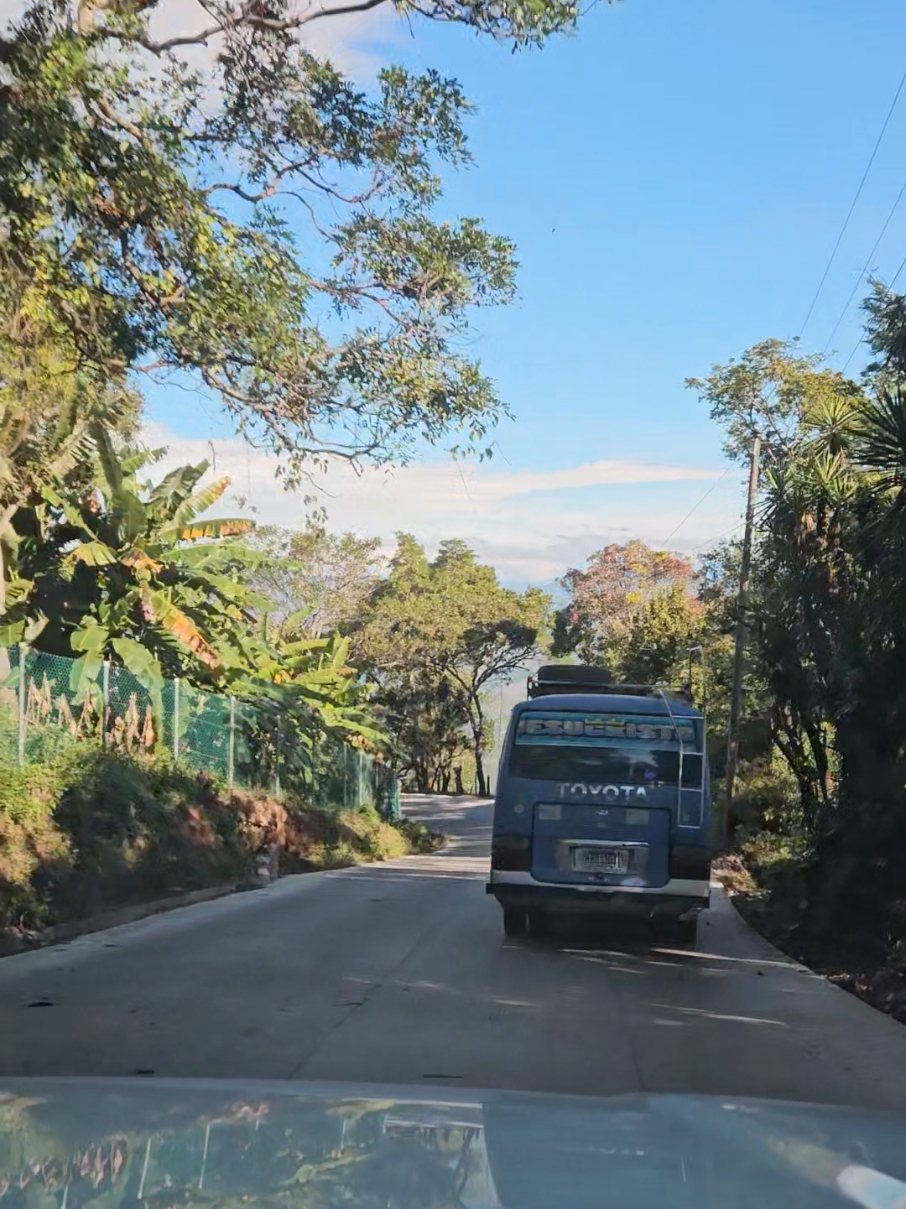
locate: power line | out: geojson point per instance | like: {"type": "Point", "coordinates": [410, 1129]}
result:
{"type": "Point", "coordinates": [866, 266]}
{"type": "Point", "coordinates": [852, 207]}
{"type": "Point", "coordinates": [861, 340]}
{"type": "Point", "coordinates": [726, 533]}
{"type": "Point", "coordinates": [851, 355]}
{"type": "Point", "coordinates": [694, 506]}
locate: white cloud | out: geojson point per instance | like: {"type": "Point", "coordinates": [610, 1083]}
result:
{"type": "Point", "coordinates": [484, 486]}
{"type": "Point", "coordinates": [356, 43]}
{"type": "Point", "coordinates": [531, 525]}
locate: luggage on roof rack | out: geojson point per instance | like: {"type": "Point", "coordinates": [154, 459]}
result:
{"type": "Point", "coordinates": [581, 678]}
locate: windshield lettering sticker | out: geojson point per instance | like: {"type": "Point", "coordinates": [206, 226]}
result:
{"type": "Point", "coordinates": [606, 730]}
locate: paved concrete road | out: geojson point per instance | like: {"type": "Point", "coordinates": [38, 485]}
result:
{"type": "Point", "coordinates": [399, 973]}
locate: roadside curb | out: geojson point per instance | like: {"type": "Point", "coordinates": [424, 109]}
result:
{"type": "Point", "coordinates": [10, 946]}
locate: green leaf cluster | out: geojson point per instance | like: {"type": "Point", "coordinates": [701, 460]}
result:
{"type": "Point", "coordinates": [436, 635]}
{"type": "Point", "coordinates": [262, 226]}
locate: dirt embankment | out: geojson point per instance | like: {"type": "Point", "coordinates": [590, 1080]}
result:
{"type": "Point", "coordinates": [96, 832]}
{"type": "Point", "coordinates": [778, 917]}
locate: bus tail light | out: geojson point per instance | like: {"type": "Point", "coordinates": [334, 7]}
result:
{"type": "Point", "coordinates": [512, 853]}
{"type": "Point", "coordinates": [690, 864]}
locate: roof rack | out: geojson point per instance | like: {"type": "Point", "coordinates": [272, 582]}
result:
{"type": "Point", "coordinates": [580, 678]}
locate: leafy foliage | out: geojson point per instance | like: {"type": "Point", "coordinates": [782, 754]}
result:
{"type": "Point", "coordinates": [319, 582]}
{"type": "Point", "coordinates": [123, 571]}
{"type": "Point", "coordinates": [437, 633]}
{"type": "Point", "coordinates": [767, 391]}
{"type": "Point", "coordinates": [629, 609]}
{"type": "Point", "coordinates": [829, 638]}
{"type": "Point", "coordinates": [159, 212]}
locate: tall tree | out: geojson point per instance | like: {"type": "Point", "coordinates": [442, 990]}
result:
{"type": "Point", "coordinates": [765, 392]}
{"type": "Point", "coordinates": [443, 630]}
{"type": "Point", "coordinates": [319, 582]}
{"type": "Point", "coordinates": [614, 601]}
{"type": "Point", "coordinates": [47, 407]}
{"type": "Point", "coordinates": [261, 225]}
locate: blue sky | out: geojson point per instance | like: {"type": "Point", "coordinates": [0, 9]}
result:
{"type": "Point", "coordinates": [674, 176]}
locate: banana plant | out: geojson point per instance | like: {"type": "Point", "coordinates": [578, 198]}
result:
{"type": "Point", "coordinates": [314, 690]}
{"type": "Point", "coordinates": [138, 574]}
{"type": "Point", "coordinates": [307, 701]}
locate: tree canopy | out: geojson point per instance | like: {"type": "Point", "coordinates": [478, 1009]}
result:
{"type": "Point", "coordinates": [436, 634]}
{"type": "Point", "coordinates": [767, 391]}
{"type": "Point", "coordinates": [260, 224]}
{"type": "Point", "coordinates": [318, 582]}
{"type": "Point", "coordinates": [827, 659]}
{"type": "Point", "coordinates": [618, 608]}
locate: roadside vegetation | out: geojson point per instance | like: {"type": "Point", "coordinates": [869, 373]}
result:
{"type": "Point", "coordinates": [92, 831]}
{"type": "Point", "coordinates": [820, 819]}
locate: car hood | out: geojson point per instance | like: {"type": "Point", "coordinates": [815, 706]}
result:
{"type": "Point", "coordinates": [105, 1143]}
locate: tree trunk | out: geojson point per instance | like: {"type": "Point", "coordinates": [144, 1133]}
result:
{"type": "Point", "coordinates": [818, 741]}
{"type": "Point", "coordinates": [476, 718]}
{"type": "Point", "coordinates": [421, 777]}
{"type": "Point", "coordinates": [481, 784]}
{"type": "Point", "coordinates": [802, 768]}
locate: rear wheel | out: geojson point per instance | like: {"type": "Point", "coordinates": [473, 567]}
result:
{"type": "Point", "coordinates": [515, 922]}
{"type": "Point", "coordinates": [681, 931]}
{"type": "Point", "coordinates": [539, 923]}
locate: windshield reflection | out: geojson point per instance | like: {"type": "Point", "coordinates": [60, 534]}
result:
{"type": "Point", "coordinates": [86, 1145]}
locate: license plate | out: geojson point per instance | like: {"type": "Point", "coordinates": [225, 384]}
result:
{"type": "Point", "coordinates": [601, 860]}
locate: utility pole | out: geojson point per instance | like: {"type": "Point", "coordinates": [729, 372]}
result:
{"type": "Point", "coordinates": [741, 635]}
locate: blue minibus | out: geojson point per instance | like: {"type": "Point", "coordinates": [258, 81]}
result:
{"type": "Point", "coordinates": [603, 804]}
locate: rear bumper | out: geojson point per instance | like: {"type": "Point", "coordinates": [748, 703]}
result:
{"type": "Point", "coordinates": [676, 899]}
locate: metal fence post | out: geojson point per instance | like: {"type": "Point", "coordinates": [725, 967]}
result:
{"type": "Point", "coordinates": [277, 761]}
{"type": "Point", "coordinates": [232, 739]}
{"type": "Point", "coordinates": [176, 720]}
{"type": "Point", "coordinates": [105, 703]}
{"type": "Point", "coordinates": [345, 775]}
{"type": "Point", "coordinates": [23, 704]}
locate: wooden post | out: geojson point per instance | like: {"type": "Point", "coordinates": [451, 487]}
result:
{"type": "Point", "coordinates": [277, 761]}
{"type": "Point", "coordinates": [105, 703]}
{"type": "Point", "coordinates": [741, 636]}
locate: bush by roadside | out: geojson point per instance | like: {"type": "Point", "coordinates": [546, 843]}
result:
{"type": "Point", "coordinates": [93, 831]}
{"type": "Point", "coordinates": [420, 838]}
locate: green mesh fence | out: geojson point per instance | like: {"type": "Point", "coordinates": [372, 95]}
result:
{"type": "Point", "coordinates": [43, 709]}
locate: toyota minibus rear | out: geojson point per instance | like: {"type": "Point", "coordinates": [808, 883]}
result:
{"type": "Point", "coordinates": [602, 804]}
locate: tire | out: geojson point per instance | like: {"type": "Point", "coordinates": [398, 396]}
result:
{"type": "Point", "coordinates": [539, 923]}
{"type": "Point", "coordinates": [682, 932]}
{"type": "Point", "coordinates": [515, 922]}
